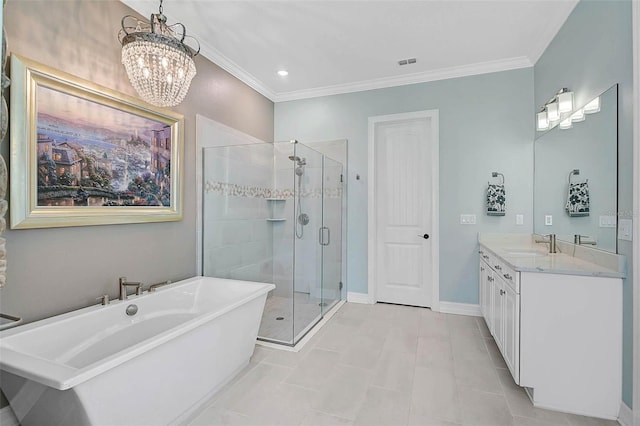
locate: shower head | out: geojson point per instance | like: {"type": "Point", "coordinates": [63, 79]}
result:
{"type": "Point", "coordinates": [300, 161]}
{"type": "Point", "coordinates": [575, 171]}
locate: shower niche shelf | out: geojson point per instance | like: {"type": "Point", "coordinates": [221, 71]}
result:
{"type": "Point", "coordinates": [276, 209]}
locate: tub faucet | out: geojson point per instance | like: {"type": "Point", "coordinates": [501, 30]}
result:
{"type": "Point", "coordinates": [154, 287]}
{"type": "Point", "coordinates": [123, 288]}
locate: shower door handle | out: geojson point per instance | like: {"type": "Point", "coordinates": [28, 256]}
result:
{"type": "Point", "coordinates": [321, 238]}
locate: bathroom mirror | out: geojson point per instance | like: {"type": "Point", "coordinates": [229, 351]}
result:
{"type": "Point", "coordinates": [583, 157]}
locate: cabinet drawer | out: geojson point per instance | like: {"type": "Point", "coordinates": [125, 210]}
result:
{"type": "Point", "coordinates": [510, 276]}
{"type": "Point", "coordinates": [499, 267]}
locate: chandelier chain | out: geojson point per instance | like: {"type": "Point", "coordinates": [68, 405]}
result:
{"type": "Point", "coordinates": [160, 9]}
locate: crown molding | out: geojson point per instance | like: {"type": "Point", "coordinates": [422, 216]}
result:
{"type": "Point", "coordinates": [214, 55]}
{"type": "Point", "coordinates": [423, 77]}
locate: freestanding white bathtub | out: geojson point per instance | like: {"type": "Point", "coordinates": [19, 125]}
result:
{"type": "Point", "coordinates": [99, 366]}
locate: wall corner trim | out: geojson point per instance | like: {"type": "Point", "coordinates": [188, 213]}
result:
{"type": "Point", "coordinates": [460, 309]}
{"type": "Point", "coordinates": [7, 418]}
{"type": "Point", "coordinates": [625, 417]}
{"type": "Point", "coordinates": [353, 297]}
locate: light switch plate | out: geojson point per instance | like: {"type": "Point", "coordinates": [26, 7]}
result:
{"type": "Point", "coordinates": [519, 219]}
{"type": "Point", "coordinates": [467, 219]}
{"type": "Point", "coordinates": [625, 229]}
{"type": "Point", "coordinates": [607, 221]}
{"type": "Point", "coordinates": [548, 220]}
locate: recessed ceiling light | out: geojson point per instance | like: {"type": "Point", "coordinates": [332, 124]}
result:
{"type": "Point", "coordinates": [283, 73]}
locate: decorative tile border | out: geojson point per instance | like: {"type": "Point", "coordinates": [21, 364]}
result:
{"type": "Point", "coordinates": [235, 190]}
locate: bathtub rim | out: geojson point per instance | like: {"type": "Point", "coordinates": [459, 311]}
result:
{"type": "Point", "coordinates": [62, 377]}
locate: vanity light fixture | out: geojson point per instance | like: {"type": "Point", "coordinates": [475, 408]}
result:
{"type": "Point", "coordinates": [566, 123]}
{"type": "Point", "coordinates": [542, 120]}
{"type": "Point", "coordinates": [553, 110]}
{"type": "Point", "coordinates": [593, 106]}
{"type": "Point", "coordinates": [553, 113]}
{"type": "Point", "coordinates": [565, 100]}
{"type": "Point", "coordinates": [578, 116]}
{"type": "Point", "coordinates": [159, 64]}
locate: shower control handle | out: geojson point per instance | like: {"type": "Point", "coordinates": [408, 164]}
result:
{"type": "Point", "coordinates": [425, 236]}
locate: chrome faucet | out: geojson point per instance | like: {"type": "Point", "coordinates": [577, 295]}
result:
{"type": "Point", "coordinates": [553, 248]}
{"type": "Point", "coordinates": [154, 287]}
{"type": "Point", "coordinates": [577, 240]}
{"type": "Point", "coordinates": [123, 288]}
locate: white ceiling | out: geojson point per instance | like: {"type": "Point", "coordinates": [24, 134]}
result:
{"type": "Point", "coordinates": [332, 47]}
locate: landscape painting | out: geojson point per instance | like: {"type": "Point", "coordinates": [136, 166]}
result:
{"type": "Point", "coordinates": [83, 154]}
{"type": "Point", "coordinates": [94, 155]}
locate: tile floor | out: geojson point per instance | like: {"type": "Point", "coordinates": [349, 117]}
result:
{"type": "Point", "coordinates": [383, 365]}
{"type": "Point", "coordinates": [307, 310]}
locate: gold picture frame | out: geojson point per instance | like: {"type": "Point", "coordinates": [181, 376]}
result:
{"type": "Point", "coordinates": [82, 154]}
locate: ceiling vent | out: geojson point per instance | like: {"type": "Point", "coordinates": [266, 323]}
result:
{"type": "Point", "coordinates": [407, 61]}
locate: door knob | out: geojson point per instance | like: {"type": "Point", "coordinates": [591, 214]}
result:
{"type": "Point", "coordinates": [425, 236]}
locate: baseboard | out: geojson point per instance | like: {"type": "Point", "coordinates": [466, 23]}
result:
{"type": "Point", "coordinates": [460, 309]}
{"type": "Point", "coordinates": [353, 297]}
{"type": "Point", "coordinates": [7, 418]}
{"type": "Point", "coordinates": [626, 415]}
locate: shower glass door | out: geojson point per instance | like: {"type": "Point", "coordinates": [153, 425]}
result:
{"type": "Point", "coordinates": [331, 234]}
{"type": "Point", "coordinates": [307, 252]}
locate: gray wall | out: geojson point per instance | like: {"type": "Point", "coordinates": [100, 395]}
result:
{"type": "Point", "coordinates": [56, 270]}
{"type": "Point", "coordinates": [485, 125]}
{"type": "Point", "coordinates": [590, 53]}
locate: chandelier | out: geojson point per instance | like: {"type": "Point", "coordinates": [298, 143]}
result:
{"type": "Point", "coordinates": [159, 64]}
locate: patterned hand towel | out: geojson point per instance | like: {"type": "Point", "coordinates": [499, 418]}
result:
{"type": "Point", "coordinates": [495, 200]}
{"type": "Point", "coordinates": [578, 199]}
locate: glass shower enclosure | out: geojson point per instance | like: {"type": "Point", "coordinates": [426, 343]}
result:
{"type": "Point", "coordinates": [273, 213]}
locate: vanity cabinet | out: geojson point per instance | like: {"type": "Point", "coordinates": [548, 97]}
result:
{"type": "Point", "coordinates": [557, 321]}
{"type": "Point", "coordinates": [500, 307]}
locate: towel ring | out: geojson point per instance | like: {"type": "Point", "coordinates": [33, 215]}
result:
{"type": "Point", "coordinates": [573, 172]}
{"type": "Point", "coordinates": [496, 174]}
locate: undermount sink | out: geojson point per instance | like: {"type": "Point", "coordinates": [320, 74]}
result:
{"type": "Point", "coordinates": [524, 252]}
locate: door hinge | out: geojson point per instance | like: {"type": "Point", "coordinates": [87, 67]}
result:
{"type": "Point", "coordinates": [341, 177]}
{"type": "Point", "coordinates": [340, 285]}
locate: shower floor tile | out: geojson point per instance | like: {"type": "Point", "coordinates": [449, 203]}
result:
{"type": "Point", "coordinates": [307, 311]}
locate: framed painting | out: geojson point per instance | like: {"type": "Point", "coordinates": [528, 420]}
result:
{"type": "Point", "coordinates": [82, 154]}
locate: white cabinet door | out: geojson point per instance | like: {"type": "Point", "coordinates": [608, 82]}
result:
{"type": "Point", "coordinates": [498, 311]}
{"type": "Point", "coordinates": [511, 332]}
{"type": "Point", "coordinates": [482, 284]}
{"type": "Point", "coordinates": [487, 295]}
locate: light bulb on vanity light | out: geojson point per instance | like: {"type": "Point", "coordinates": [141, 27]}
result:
{"type": "Point", "coordinates": [553, 114]}
{"type": "Point", "coordinates": [593, 106]}
{"type": "Point", "coordinates": [566, 123]}
{"type": "Point", "coordinates": [578, 116]}
{"type": "Point", "coordinates": [565, 101]}
{"type": "Point", "coordinates": [542, 121]}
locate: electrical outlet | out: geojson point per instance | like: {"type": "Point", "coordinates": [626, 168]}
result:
{"type": "Point", "coordinates": [625, 229]}
{"type": "Point", "coordinates": [519, 219]}
{"type": "Point", "coordinates": [467, 219]}
{"type": "Point", "coordinates": [548, 220]}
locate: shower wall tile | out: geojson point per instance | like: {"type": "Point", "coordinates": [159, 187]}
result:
{"type": "Point", "coordinates": [236, 231]}
{"type": "Point", "coordinates": [261, 231]}
{"type": "Point", "coordinates": [255, 252]}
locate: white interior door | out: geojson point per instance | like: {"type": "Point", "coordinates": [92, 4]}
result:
{"type": "Point", "coordinates": [403, 211]}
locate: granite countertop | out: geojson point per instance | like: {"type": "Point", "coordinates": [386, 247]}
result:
{"type": "Point", "coordinates": [524, 255]}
